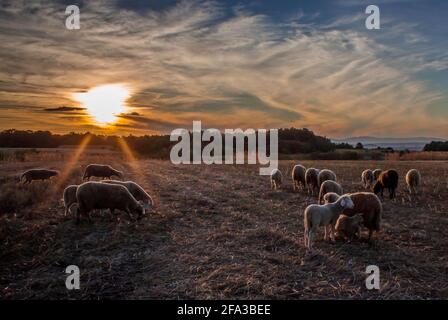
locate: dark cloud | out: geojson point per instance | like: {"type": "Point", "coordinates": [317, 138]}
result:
{"type": "Point", "coordinates": [64, 109]}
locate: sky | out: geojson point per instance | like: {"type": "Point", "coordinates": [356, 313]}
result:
{"type": "Point", "coordinates": [230, 64]}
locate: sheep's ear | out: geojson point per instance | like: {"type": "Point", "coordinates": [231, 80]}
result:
{"type": "Point", "coordinates": [343, 202]}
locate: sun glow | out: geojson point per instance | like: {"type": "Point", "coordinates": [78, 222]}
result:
{"type": "Point", "coordinates": [105, 102]}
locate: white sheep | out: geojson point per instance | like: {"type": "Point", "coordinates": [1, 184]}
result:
{"type": "Point", "coordinates": [413, 180]}
{"type": "Point", "coordinates": [298, 177]}
{"type": "Point", "coordinates": [367, 178]}
{"type": "Point", "coordinates": [136, 190]}
{"type": "Point", "coordinates": [96, 195]}
{"type": "Point", "coordinates": [325, 175]}
{"type": "Point", "coordinates": [376, 174]}
{"type": "Point", "coordinates": [69, 197]}
{"type": "Point", "coordinates": [329, 186]}
{"type": "Point", "coordinates": [325, 215]}
{"type": "Point", "coordinates": [276, 179]}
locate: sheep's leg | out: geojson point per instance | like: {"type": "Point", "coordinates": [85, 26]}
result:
{"type": "Point", "coordinates": [311, 236]}
{"type": "Point", "coordinates": [129, 214]}
{"type": "Point", "coordinates": [305, 238]}
{"type": "Point", "coordinates": [325, 233]}
{"type": "Point", "coordinates": [78, 216]}
{"type": "Point", "coordinates": [332, 234]}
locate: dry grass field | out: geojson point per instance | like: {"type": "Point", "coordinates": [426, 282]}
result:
{"type": "Point", "coordinates": [217, 232]}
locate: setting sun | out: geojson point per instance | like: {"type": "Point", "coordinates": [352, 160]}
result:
{"type": "Point", "coordinates": [104, 102]}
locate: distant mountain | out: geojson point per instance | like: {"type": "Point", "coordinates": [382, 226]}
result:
{"type": "Point", "coordinates": [411, 143]}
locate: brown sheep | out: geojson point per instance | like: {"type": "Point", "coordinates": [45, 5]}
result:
{"type": "Point", "coordinates": [101, 171]}
{"type": "Point", "coordinates": [329, 186]}
{"type": "Point", "coordinates": [311, 181]}
{"type": "Point", "coordinates": [387, 180]}
{"type": "Point", "coordinates": [348, 227]}
{"type": "Point", "coordinates": [298, 177]}
{"type": "Point", "coordinates": [37, 174]}
{"type": "Point", "coordinates": [369, 205]}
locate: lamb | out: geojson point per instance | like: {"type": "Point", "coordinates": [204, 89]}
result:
{"type": "Point", "coordinates": [316, 215]}
{"type": "Point", "coordinates": [311, 180]}
{"type": "Point", "coordinates": [331, 197]}
{"type": "Point", "coordinates": [69, 197]}
{"type": "Point", "coordinates": [413, 179]}
{"type": "Point", "coordinates": [101, 171]}
{"type": "Point", "coordinates": [137, 191]}
{"type": "Point", "coordinates": [325, 175]}
{"type": "Point", "coordinates": [96, 195]}
{"type": "Point", "coordinates": [276, 179]}
{"type": "Point", "coordinates": [298, 177]}
{"type": "Point", "coordinates": [369, 205]}
{"type": "Point", "coordinates": [37, 174]}
{"type": "Point", "coordinates": [348, 227]}
{"type": "Point", "coordinates": [387, 180]}
{"type": "Point", "coordinates": [367, 178]}
{"type": "Point", "coordinates": [329, 186]}
{"type": "Point", "coordinates": [376, 174]}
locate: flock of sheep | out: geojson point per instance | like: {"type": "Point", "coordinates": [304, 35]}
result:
{"type": "Point", "coordinates": [126, 196]}
{"type": "Point", "coordinates": [335, 211]}
{"type": "Point", "coordinates": [338, 212]}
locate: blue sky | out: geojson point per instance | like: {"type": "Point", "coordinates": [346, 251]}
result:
{"type": "Point", "coordinates": [249, 64]}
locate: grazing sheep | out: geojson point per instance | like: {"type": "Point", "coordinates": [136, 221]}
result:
{"type": "Point", "coordinates": [413, 179]}
{"type": "Point", "coordinates": [311, 180]}
{"type": "Point", "coordinates": [367, 178]}
{"type": "Point", "coordinates": [331, 197]}
{"type": "Point", "coordinates": [387, 180]}
{"type": "Point", "coordinates": [101, 171]}
{"type": "Point", "coordinates": [137, 191]}
{"type": "Point", "coordinates": [69, 197]}
{"type": "Point", "coordinates": [316, 215]}
{"type": "Point", "coordinates": [348, 227]}
{"type": "Point", "coordinates": [37, 174]}
{"type": "Point", "coordinates": [325, 175]}
{"type": "Point", "coordinates": [329, 186]}
{"type": "Point", "coordinates": [376, 174]}
{"type": "Point", "coordinates": [298, 177]}
{"type": "Point", "coordinates": [276, 179]}
{"type": "Point", "coordinates": [369, 205]}
{"type": "Point", "coordinates": [96, 195]}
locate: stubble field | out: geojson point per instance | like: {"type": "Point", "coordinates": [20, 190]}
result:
{"type": "Point", "coordinates": [217, 232]}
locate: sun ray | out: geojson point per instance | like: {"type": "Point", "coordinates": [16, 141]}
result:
{"type": "Point", "coordinates": [68, 168]}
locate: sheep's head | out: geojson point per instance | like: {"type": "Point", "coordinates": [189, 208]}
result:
{"type": "Point", "coordinates": [146, 206]}
{"type": "Point", "coordinates": [120, 174]}
{"type": "Point", "coordinates": [330, 197]}
{"type": "Point", "coordinates": [347, 202]}
{"type": "Point", "coordinates": [139, 210]}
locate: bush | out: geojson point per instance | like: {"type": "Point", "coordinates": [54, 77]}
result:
{"type": "Point", "coordinates": [15, 196]}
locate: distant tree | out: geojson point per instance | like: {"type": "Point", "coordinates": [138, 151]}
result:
{"type": "Point", "coordinates": [436, 146]}
{"type": "Point", "coordinates": [359, 146]}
